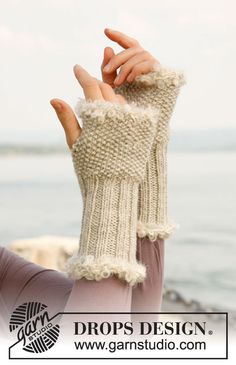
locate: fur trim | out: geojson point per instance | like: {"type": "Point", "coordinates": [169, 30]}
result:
{"type": "Point", "coordinates": [162, 77]}
{"type": "Point", "coordinates": [101, 108]}
{"type": "Point", "coordinates": [103, 267]}
{"type": "Point", "coordinates": [153, 231]}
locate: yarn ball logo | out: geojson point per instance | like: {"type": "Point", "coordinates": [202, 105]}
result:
{"type": "Point", "coordinates": [32, 325]}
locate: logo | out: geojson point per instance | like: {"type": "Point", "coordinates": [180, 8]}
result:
{"type": "Point", "coordinates": [32, 325]}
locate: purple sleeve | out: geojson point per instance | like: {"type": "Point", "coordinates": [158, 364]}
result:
{"type": "Point", "coordinates": [23, 281]}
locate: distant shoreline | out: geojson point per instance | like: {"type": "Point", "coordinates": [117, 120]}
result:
{"type": "Point", "coordinates": [215, 140]}
{"type": "Point", "coordinates": [15, 150]}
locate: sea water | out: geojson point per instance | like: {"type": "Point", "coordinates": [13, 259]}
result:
{"type": "Point", "coordinates": [39, 195]}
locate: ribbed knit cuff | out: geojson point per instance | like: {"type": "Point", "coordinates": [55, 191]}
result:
{"type": "Point", "coordinates": [108, 237]}
{"type": "Point", "coordinates": [153, 218]}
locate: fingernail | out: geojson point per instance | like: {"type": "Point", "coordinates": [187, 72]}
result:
{"type": "Point", "coordinates": [59, 106]}
{"type": "Point", "coordinates": [117, 78]}
{"type": "Point", "coordinates": [56, 105]}
{"type": "Point", "coordinates": [107, 68]}
{"type": "Point", "coordinates": [77, 67]}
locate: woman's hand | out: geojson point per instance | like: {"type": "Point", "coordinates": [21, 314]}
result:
{"type": "Point", "coordinates": [93, 89]}
{"type": "Point", "coordinates": [133, 61]}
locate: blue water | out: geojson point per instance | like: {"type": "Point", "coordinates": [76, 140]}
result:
{"type": "Point", "coordinates": [39, 195]}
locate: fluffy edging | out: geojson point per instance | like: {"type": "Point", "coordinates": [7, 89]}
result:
{"type": "Point", "coordinates": [162, 77]}
{"type": "Point", "coordinates": [154, 231]}
{"type": "Point", "coordinates": [103, 267]}
{"type": "Point", "coordinates": [101, 108]}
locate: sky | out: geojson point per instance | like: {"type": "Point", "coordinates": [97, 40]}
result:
{"type": "Point", "coordinates": [40, 41]}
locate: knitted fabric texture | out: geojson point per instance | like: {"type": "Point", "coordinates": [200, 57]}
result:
{"type": "Point", "coordinates": [158, 89]}
{"type": "Point", "coordinates": [109, 159]}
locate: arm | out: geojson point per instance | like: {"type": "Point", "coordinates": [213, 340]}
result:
{"type": "Point", "coordinates": [144, 80]}
{"type": "Point", "coordinates": [109, 158]}
{"type": "Point", "coordinates": [158, 89]}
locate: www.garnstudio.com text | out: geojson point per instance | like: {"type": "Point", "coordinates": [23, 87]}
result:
{"type": "Point", "coordinates": [164, 344]}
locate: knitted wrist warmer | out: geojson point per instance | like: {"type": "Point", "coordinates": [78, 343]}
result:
{"type": "Point", "coordinates": [158, 89]}
{"type": "Point", "coordinates": [109, 159]}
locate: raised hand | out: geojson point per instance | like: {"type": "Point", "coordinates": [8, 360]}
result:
{"type": "Point", "coordinates": [149, 84]}
{"type": "Point", "coordinates": [93, 89]}
{"type": "Point", "coordinates": [134, 60]}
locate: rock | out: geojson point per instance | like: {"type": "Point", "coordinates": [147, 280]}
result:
{"type": "Point", "coordinates": [48, 251]}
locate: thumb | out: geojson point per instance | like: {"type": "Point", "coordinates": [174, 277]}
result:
{"type": "Point", "coordinates": [108, 78]}
{"type": "Point", "coordinates": [68, 120]}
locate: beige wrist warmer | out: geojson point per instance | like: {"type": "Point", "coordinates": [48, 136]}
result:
{"type": "Point", "coordinates": [109, 159]}
{"type": "Point", "coordinates": [158, 89]}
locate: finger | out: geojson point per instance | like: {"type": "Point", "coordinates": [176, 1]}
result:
{"type": "Point", "coordinates": [121, 99]}
{"type": "Point", "coordinates": [140, 68]}
{"type": "Point", "coordinates": [122, 39]}
{"type": "Point", "coordinates": [88, 83]}
{"type": "Point", "coordinates": [68, 120]}
{"type": "Point", "coordinates": [117, 60]}
{"type": "Point", "coordinates": [108, 78]}
{"type": "Point", "coordinates": [128, 66]}
{"type": "Point", "coordinates": [107, 92]}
